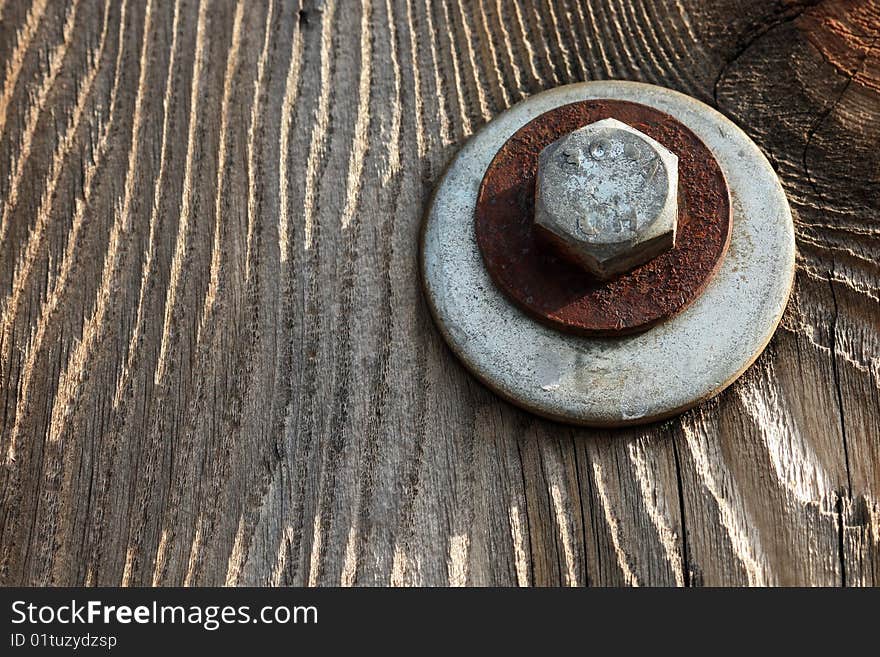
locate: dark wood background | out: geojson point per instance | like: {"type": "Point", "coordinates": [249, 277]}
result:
{"type": "Point", "coordinates": [216, 365]}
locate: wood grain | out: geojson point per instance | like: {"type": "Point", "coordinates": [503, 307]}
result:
{"type": "Point", "coordinates": [216, 366]}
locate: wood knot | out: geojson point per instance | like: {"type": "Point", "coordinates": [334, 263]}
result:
{"type": "Point", "coordinates": [847, 34]}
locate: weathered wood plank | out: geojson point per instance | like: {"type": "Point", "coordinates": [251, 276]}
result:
{"type": "Point", "coordinates": [215, 362]}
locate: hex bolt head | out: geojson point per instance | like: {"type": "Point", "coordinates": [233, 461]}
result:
{"type": "Point", "coordinates": [607, 196]}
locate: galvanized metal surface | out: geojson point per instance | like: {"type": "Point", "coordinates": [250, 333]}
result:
{"type": "Point", "coordinates": [626, 380]}
{"type": "Point", "coordinates": [608, 194]}
{"type": "Point", "coordinates": [539, 279]}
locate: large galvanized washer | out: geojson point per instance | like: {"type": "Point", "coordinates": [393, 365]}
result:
{"type": "Point", "coordinates": [621, 380]}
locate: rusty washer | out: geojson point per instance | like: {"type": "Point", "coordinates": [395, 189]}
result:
{"type": "Point", "coordinates": [704, 330]}
{"type": "Point", "coordinates": [553, 290]}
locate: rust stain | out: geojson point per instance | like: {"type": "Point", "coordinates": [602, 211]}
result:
{"type": "Point", "coordinates": [547, 286]}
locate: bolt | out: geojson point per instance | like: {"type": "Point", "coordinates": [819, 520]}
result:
{"type": "Point", "coordinates": [607, 196]}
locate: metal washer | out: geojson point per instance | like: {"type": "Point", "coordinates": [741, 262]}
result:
{"type": "Point", "coordinates": [625, 380]}
{"type": "Point", "coordinates": [558, 293]}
